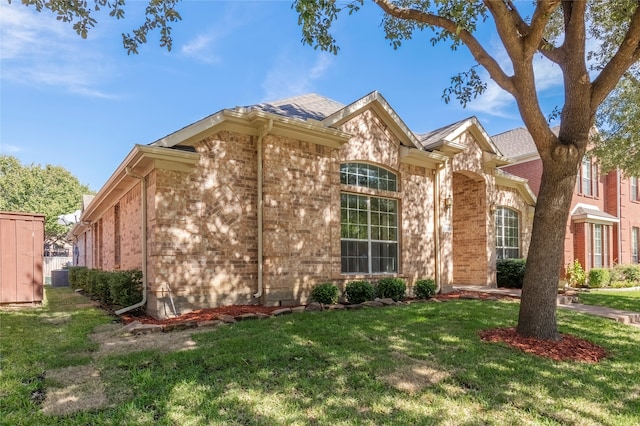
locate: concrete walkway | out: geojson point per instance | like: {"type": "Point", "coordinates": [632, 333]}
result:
{"type": "Point", "coordinates": [567, 302]}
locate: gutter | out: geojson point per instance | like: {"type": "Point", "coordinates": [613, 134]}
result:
{"type": "Point", "coordinates": [143, 184]}
{"type": "Point", "coordinates": [436, 224]}
{"type": "Point", "coordinates": [265, 130]}
{"type": "Point", "coordinates": [619, 213]}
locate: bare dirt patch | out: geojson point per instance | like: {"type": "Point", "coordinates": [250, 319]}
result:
{"type": "Point", "coordinates": [413, 375]}
{"type": "Point", "coordinates": [78, 389]}
{"type": "Point", "coordinates": [113, 342]}
{"type": "Point", "coordinates": [568, 348]}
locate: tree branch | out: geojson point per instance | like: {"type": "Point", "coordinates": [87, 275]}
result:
{"type": "Point", "coordinates": [477, 50]}
{"type": "Point", "coordinates": [628, 53]}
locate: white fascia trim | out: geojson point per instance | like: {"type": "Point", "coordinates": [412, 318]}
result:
{"type": "Point", "coordinates": [473, 125]}
{"type": "Point", "coordinates": [515, 182]}
{"type": "Point", "coordinates": [417, 157]}
{"type": "Point", "coordinates": [140, 159]}
{"type": "Point", "coordinates": [312, 131]}
{"type": "Point", "coordinates": [587, 217]}
{"type": "Point", "coordinates": [224, 120]}
{"type": "Point", "coordinates": [376, 101]}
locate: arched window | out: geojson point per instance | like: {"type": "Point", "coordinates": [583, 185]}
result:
{"type": "Point", "coordinates": [368, 224]}
{"type": "Point", "coordinates": [369, 176]}
{"type": "Point", "coordinates": [507, 233]}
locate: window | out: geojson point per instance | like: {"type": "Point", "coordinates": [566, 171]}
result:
{"type": "Point", "coordinates": [635, 194]}
{"type": "Point", "coordinates": [588, 178]}
{"type": "Point", "coordinates": [368, 224]}
{"type": "Point", "coordinates": [507, 233]}
{"type": "Point", "coordinates": [597, 238]}
{"type": "Point", "coordinates": [367, 175]}
{"type": "Point", "coordinates": [597, 246]}
{"type": "Point", "coordinates": [369, 231]}
{"type": "Point", "coordinates": [635, 236]}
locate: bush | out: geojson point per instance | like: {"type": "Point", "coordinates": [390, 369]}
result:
{"type": "Point", "coordinates": [425, 289]}
{"type": "Point", "coordinates": [599, 277]}
{"type": "Point", "coordinates": [625, 276]}
{"type": "Point", "coordinates": [510, 272]}
{"type": "Point", "coordinates": [76, 276]}
{"type": "Point", "coordinates": [326, 293]}
{"type": "Point", "coordinates": [575, 274]}
{"type": "Point", "coordinates": [121, 288]}
{"type": "Point", "coordinates": [393, 288]}
{"type": "Point", "coordinates": [125, 287]}
{"type": "Point", "coordinates": [359, 291]}
{"type": "Point", "coordinates": [100, 285]}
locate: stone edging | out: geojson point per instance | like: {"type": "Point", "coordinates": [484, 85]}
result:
{"type": "Point", "coordinates": [137, 327]}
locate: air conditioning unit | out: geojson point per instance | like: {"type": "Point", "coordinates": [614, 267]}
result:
{"type": "Point", "coordinates": [60, 278]}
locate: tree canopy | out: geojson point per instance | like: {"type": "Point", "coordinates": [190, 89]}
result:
{"type": "Point", "coordinates": [49, 190]}
{"type": "Point", "coordinates": [594, 43]}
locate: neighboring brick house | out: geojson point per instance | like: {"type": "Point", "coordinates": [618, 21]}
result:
{"type": "Point", "coordinates": [604, 222]}
{"type": "Point", "coordinates": [258, 204]}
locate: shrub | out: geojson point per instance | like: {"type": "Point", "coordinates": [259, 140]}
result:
{"type": "Point", "coordinates": [125, 287]}
{"type": "Point", "coordinates": [359, 291]}
{"type": "Point", "coordinates": [425, 289]}
{"type": "Point", "coordinates": [326, 293]}
{"type": "Point", "coordinates": [76, 276]}
{"type": "Point", "coordinates": [625, 276]}
{"type": "Point", "coordinates": [599, 277]}
{"type": "Point", "coordinates": [575, 274]}
{"type": "Point", "coordinates": [510, 272]}
{"type": "Point", "coordinates": [100, 285]}
{"type": "Point", "coordinates": [393, 288]}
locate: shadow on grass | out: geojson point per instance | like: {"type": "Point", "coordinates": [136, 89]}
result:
{"type": "Point", "coordinates": [329, 368]}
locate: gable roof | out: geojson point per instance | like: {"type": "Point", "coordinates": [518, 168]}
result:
{"type": "Point", "coordinates": [310, 106]}
{"type": "Point", "coordinates": [445, 138]}
{"type": "Point", "coordinates": [379, 104]}
{"type": "Point", "coordinates": [518, 144]}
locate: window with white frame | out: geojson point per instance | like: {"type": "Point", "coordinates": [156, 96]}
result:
{"type": "Point", "coordinates": [588, 178]}
{"type": "Point", "coordinates": [635, 194]}
{"type": "Point", "coordinates": [597, 239]}
{"type": "Point", "coordinates": [635, 236]}
{"type": "Point", "coordinates": [368, 224]}
{"type": "Point", "coordinates": [507, 233]}
{"type": "Point", "coordinates": [598, 248]}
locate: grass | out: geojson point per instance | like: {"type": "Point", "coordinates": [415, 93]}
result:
{"type": "Point", "coordinates": [418, 364]}
{"type": "Point", "coordinates": [626, 300]}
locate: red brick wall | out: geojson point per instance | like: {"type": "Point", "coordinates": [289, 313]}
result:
{"type": "Point", "coordinates": [531, 170]}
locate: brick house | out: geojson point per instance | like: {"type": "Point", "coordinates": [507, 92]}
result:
{"type": "Point", "coordinates": [258, 204]}
{"type": "Point", "coordinates": [604, 223]}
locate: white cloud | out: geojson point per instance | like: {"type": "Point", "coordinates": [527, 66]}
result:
{"type": "Point", "coordinates": [38, 50]}
{"type": "Point", "coordinates": [201, 49]}
{"type": "Point", "coordinates": [292, 76]}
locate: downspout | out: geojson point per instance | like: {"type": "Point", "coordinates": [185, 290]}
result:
{"type": "Point", "coordinates": [436, 224]}
{"type": "Point", "coordinates": [619, 213]}
{"type": "Point", "coordinates": [143, 185]}
{"type": "Point", "coordinates": [265, 130]}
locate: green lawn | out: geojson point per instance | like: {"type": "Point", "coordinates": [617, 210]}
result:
{"type": "Point", "coordinates": [627, 300]}
{"type": "Point", "coordinates": [335, 368]}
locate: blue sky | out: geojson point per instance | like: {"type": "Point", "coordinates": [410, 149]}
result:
{"type": "Point", "coordinates": [83, 104]}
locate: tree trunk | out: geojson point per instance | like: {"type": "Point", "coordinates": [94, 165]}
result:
{"type": "Point", "coordinates": [537, 316]}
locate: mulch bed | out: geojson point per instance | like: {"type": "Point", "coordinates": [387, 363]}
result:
{"type": "Point", "coordinates": [568, 348]}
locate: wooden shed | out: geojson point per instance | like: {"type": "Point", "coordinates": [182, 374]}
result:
{"type": "Point", "coordinates": [21, 257]}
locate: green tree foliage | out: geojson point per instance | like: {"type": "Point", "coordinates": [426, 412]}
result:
{"type": "Point", "coordinates": [49, 190]}
{"type": "Point", "coordinates": [553, 30]}
{"type": "Point", "coordinates": [618, 144]}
